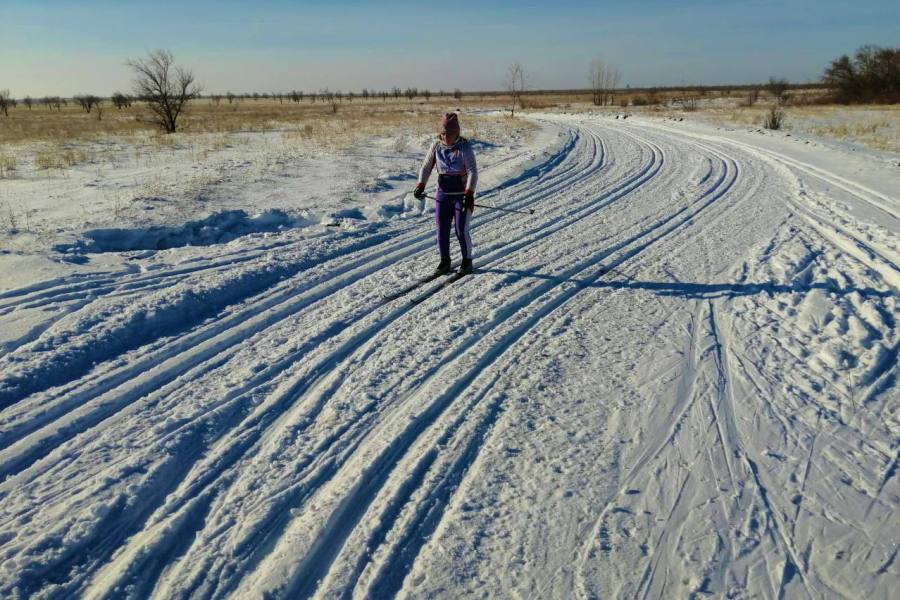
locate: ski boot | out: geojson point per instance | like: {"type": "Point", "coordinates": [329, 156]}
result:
{"type": "Point", "coordinates": [443, 267]}
{"type": "Point", "coordinates": [466, 267]}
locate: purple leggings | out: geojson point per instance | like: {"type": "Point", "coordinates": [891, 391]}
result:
{"type": "Point", "coordinates": [448, 210]}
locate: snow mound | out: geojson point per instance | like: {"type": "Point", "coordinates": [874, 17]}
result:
{"type": "Point", "coordinates": [218, 228]}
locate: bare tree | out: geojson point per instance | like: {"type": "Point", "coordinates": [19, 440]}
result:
{"type": "Point", "coordinates": [871, 75]}
{"type": "Point", "coordinates": [52, 102]}
{"type": "Point", "coordinates": [778, 88]}
{"type": "Point", "coordinates": [120, 100]}
{"type": "Point", "coordinates": [165, 88]}
{"type": "Point", "coordinates": [4, 102]}
{"type": "Point", "coordinates": [427, 94]}
{"type": "Point", "coordinates": [87, 102]}
{"type": "Point", "coordinates": [604, 80]}
{"type": "Point", "coordinates": [28, 102]}
{"type": "Point", "coordinates": [457, 93]}
{"type": "Point", "coordinates": [515, 84]}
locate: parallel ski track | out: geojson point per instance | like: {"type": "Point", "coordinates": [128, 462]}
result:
{"type": "Point", "coordinates": [82, 289]}
{"type": "Point", "coordinates": [669, 426]}
{"type": "Point", "coordinates": [540, 193]}
{"type": "Point", "coordinates": [178, 355]}
{"type": "Point", "coordinates": [316, 553]}
{"type": "Point", "coordinates": [449, 432]}
{"type": "Point", "coordinates": [86, 286]}
{"type": "Point", "coordinates": [780, 530]}
{"type": "Point", "coordinates": [351, 344]}
{"type": "Point", "coordinates": [539, 233]}
{"type": "Point", "coordinates": [887, 265]}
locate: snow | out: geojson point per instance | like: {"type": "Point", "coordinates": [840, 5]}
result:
{"type": "Point", "coordinates": [678, 377]}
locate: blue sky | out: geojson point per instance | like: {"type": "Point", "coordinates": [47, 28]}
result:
{"type": "Point", "coordinates": [55, 47]}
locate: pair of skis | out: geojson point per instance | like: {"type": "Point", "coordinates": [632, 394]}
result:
{"type": "Point", "coordinates": [449, 278]}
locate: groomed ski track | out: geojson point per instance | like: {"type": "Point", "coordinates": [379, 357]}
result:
{"type": "Point", "coordinates": [678, 376]}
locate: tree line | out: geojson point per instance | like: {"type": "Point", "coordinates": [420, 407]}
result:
{"type": "Point", "coordinates": [872, 74]}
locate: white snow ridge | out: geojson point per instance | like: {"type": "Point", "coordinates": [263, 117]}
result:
{"type": "Point", "coordinates": [677, 378]}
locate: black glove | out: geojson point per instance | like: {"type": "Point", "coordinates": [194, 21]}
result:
{"type": "Point", "coordinates": [419, 192]}
{"type": "Point", "coordinates": [469, 200]}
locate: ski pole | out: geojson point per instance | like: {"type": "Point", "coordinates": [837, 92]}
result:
{"type": "Point", "coordinates": [530, 211]}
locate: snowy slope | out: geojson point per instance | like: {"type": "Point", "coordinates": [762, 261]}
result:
{"type": "Point", "coordinates": [678, 376]}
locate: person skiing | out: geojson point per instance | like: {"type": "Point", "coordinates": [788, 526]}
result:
{"type": "Point", "coordinates": [454, 201]}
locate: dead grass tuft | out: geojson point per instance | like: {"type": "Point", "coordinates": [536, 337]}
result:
{"type": "Point", "coordinates": [58, 157]}
{"type": "Point", "coordinates": [7, 166]}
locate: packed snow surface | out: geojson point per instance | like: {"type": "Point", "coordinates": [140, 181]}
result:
{"type": "Point", "coordinates": [677, 377]}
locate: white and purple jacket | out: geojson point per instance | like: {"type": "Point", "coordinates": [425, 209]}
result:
{"type": "Point", "coordinates": [456, 161]}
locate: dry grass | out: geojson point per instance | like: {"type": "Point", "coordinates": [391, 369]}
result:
{"type": "Point", "coordinates": [874, 126]}
{"type": "Point", "coordinates": [61, 139]}
{"type": "Point", "coordinates": [7, 166]}
{"type": "Point", "coordinates": [57, 140]}
{"type": "Point", "coordinates": [310, 119]}
{"type": "Point", "coordinates": [55, 156]}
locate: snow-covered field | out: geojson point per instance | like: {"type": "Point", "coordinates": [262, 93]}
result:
{"type": "Point", "coordinates": [677, 377]}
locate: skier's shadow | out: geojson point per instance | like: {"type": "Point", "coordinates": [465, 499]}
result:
{"type": "Point", "coordinates": [698, 290]}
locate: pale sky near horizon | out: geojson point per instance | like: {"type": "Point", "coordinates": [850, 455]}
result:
{"type": "Point", "coordinates": [55, 47]}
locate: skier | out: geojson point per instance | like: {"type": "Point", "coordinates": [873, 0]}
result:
{"type": "Point", "coordinates": [454, 202]}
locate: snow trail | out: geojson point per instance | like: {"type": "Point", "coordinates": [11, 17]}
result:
{"type": "Point", "coordinates": [677, 377]}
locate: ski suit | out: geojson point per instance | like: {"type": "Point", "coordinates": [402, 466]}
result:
{"type": "Point", "coordinates": [457, 172]}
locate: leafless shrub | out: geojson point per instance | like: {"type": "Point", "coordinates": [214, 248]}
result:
{"type": "Point", "coordinates": [604, 80]}
{"type": "Point", "coordinates": [778, 89]}
{"type": "Point", "coordinates": [165, 88]}
{"type": "Point", "coordinates": [515, 85]}
{"type": "Point", "coordinates": [5, 102]}
{"type": "Point", "coordinates": [28, 102]}
{"type": "Point", "coordinates": [87, 102]}
{"type": "Point", "coordinates": [7, 166]}
{"type": "Point", "coordinates": [688, 102]}
{"type": "Point", "coordinates": [774, 118]}
{"type": "Point", "coordinates": [457, 94]}
{"type": "Point", "coordinates": [52, 102]}
{"type": "Point", "coordinates": [121, 100]}
{"type": "Point", "coordinates": [11, 220]}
